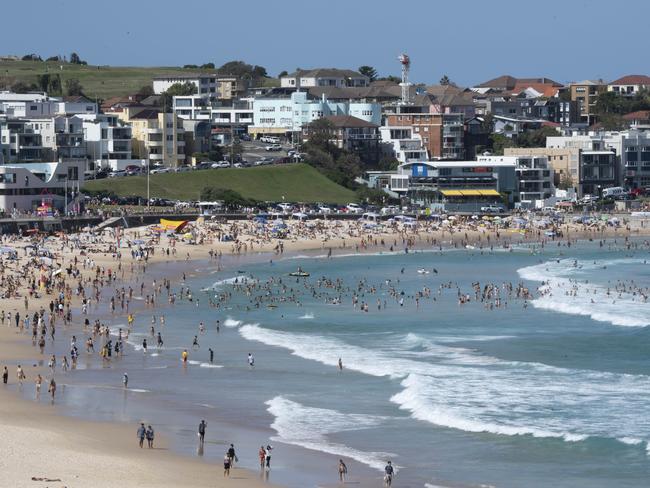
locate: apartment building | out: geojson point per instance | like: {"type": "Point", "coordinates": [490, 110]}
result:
{"type": "Point", "coordinates": [441, 134]}
{"type": "Point", "coordinates": [585, 94]}
{"type": "Point", "coordinates": [324, 77]}
{"type": "Point", "coordinates": [157, 137]}
{"type": "Point", "coordinates": [534, 176]}
{"type": "Point", "coordinates": [565, 162]}
{"type": "Point", "coordinates": [205, 83]}
{"type": "Point", "coordinates": [108, 142]}
{"type": "Point", "coordinates": [404, 143]}
{"type": "Point", "coordinates": [285, 115]}
{"type": "Point", "coordinates": [352, 134]}
{"type": "Point", "coordinates": [27, 140]}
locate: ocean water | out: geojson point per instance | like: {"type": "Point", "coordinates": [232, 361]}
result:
{"type": "Point", "coordinates": [548, 391]}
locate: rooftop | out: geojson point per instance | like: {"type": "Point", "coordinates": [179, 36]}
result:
{"type": "Point", "coordinates": [632, 80]}
{"type": "Point", "coordinates": [348, 121]}
{"type": "Point", "coordinates": [326, 73]}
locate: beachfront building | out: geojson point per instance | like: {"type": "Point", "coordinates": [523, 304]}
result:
{"type": "Point", "coordinates": [457, 186]}
{"type": "Point", "coordinates": [286, 116]}
{"type": "Point", "coordinates": [564, 162]}
{"type": "Point", "coordinates": [324, 77]}
{"type": "Point", "coordinates": [534, 177]}
{"type": "Point", "coordinates": [609, 158]}
{"type": "Point", "coordinates": [40, 187]}
{"type": "Point", "coordinates": [157, 137]}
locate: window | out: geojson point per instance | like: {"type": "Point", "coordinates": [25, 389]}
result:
{"type": "Point", "coordinates": [267, 109]}
{"type": "Point", "coordinates": [33, 107]}
{"type": "Point", "coordinates": [8, 178]}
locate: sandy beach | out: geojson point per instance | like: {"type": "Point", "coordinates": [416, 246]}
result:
{"type": "Point", "coordinates": [42, 448]}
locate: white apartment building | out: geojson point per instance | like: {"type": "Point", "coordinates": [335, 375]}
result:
{"type": "Point", "coordinates": [206, 84]}
{"type": "Point", "coordinates": [534, 175]}
{"type": "Point", "coordinates": [406, 145]}
{"type": "Point", "coordinates": [284, 115]}
{"type": "Point", "coordinates": [324, 77]}
{"type": "Point", "coordinates": [35, 105]}
{"type": "Point", "coordinates": [108, 142]}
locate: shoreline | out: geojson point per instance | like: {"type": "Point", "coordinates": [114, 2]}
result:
{"type": "Point", "coordinates": [71, 437]}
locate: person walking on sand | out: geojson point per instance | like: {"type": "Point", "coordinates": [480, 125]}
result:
{"type": "Point", "coordinates": [343, 470]}
{"type": "Point", "coordinates": [268, 456]}
{"type": "Point", "coordinates": [262, 455]}
{"type": "Point", "coordinates": [232, 455]}
{"type": "Point", "coordinates": [226, 466]}
{"type": "Point", "coordinates": [5, 375]}
{"type": "Point", "coordinates": [125, 380]}
{"type": "Point", "coordinates": [340, 364]}
{"type": "Point", "coordinates": [39, 382]}
{"type": "Point", "coordinates": [142, 433]}
{"type": "Point", "coordinates": [20, 374]}
{"type": "Point", "coordinates": [150, 436]}
{"type": "Point", "coordinates": [202, 427]}
{"type": "Point", "coordinates": [184, 356]}
{"type": "Point", "coordinates": [211, 355]}
{"type": "Point", "coordinates": [52, 388]}
{"type": "Point", "coordinates": [388, 476]}
{"type": "Point", "coordinates": [251, 361]}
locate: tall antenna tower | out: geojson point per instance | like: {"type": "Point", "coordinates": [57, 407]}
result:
{"type": "Point", "coordinates": [406, 66]}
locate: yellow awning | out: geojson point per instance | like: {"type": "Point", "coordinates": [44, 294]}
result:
{"type": "Point", "coordinates": [490, 193]}
{"type": "Point", "coordinates": [471, 193]}
{"type": "Point", "coordinates": [451, 193]}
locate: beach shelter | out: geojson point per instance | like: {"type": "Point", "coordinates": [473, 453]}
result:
{"type": "Point", "coordinates": [173, 225]}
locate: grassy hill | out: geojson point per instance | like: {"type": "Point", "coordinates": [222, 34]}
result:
{"type": "Point", "coordinates": [296, 182]}
{"type": "Point", "coordinates": [97, 81]}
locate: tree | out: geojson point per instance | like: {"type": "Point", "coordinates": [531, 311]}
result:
{"type": "Point", "coordinates": [145, 91]}
{"type": "Point", "coordinates": [387, 163]}
{"type": "Point", "coordinates": [368, 71]}
{"type": "Point", "coordinates": [535, 138]}
{"type": "Point", "coordinates": [445, 81]}
{"type": "Point", "coordinates": [176, 90]}
{"type": "Point", "coordinates": [190, 66]}
{"type": "Point", "coordinates": [499, 142]}
{"type": "Point", "coordinates": [207, 66]}
{"type": "Point", "coordinates": [75, 59]}
{"type": "Point", "coordinates": [241, 69]}
{"type": "Point", "coordinates": [566, 182]}
{"type": "Point", "coordinates": [283, 73]}
{"type": "Point", "coordinates": [31, 57]}
{"type": "Point", "coordinates": [22, 87]}
{"type": "Point", "coordinates": [73, 87]}
{"type": "Point", "coordinates": [54, 58]}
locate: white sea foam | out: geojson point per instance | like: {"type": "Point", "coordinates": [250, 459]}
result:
{"type": "Point", "coordinates": [458, 388]}
{"type": "Point", "coordinates": [565, 291]}
{"type": "Point", "coordinates": [230, 322]}
{"type": "Point", "coordinates": [307, 316]}
{"type": "Point", "coordinates": [309, 427]}
{"type": "Point", "coordinates": [203, 365]}
{"type": "Point", "coordinates": [241, 279]}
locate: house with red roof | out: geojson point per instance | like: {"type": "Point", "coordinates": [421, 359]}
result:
{"type": "Point", "coordinates": [629, 85]}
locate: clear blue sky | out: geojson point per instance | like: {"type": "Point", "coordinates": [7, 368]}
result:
{"type": "Point", "coordinates": [470, 41]}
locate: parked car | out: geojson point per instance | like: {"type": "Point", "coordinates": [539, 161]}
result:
{"type": "Point", "coordinates": [133, 170]}
{"type": "Point", "coordinates": [353, 208]}
{"type": "Point", "coordinates": [492, 209]}
{"type": "Point", "coordinates": [245, 137]}
{"type": "Point", "coordinates": [273, 147]}
{"type": "Point", "coordinates": [220, 164]}
{"type": "Point", "coordinates": [324, 209]}
{"type": "Point", "coordinates": [270, 139]}
{"type": "Point", "coordinates": [117, 173]}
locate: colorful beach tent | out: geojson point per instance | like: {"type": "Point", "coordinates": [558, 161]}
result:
{"type": "Point", "coordinates": [174, 225]}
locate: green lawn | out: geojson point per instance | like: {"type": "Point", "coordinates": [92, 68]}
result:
{"type": "Point", "coordinates": [97, 81]}
{"type": "Point", "coordinates": [296, 182]}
